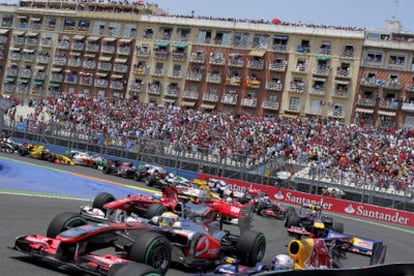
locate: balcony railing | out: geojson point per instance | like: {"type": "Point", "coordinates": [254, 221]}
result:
{"type": "Point", "coordinates": [210, 97]}
{"type": "Point", "coordinates": [108, 49]}
{"type": "Point", "coordinates": [408, 107]}
{"type": "Point", "coordinates": [137, 86]}
{"type": "Point", "coordinates": [12, 72]}
{"type": "Point", "coordinates": [141, 70]}
{"type": "Point", "coordinates": [106, 66]}
{"type": "Point", "coordinates": [64, 44]}
{"type": "Point", "coordinates": [255, 64]}
{"type": "Point", "coordinates": [252, 83]}
{"type": "Point", "coordinates": [229, 99]}
{"type": "Point", "coordinates": [340, 93]}
{"type": "Point", "coordinates": [43, 59]}
{"type": "Point", "coordinates": [194, 76]}
{"type": "Point", "coordinates": [121, 68]}
{"type": "Point", "coordinates": [25, 73]}
{"type": "Point", "coordinates": [172, 92]}
{"type": "Point", "coordinates": [158, 72]}
{"type": "Point", "coordinates": [56, 78]}
{"type": "Point", "coordinates": [294, 108]}
{"type": "Point", "coordinates": [343, 73]}
{"type": "Point", "coordinates": [321, 70]}
{"type": "Point", "coordinates": [233, 81]}
{"type": "Point", "coordinates": [336, 113]}
{"type": "Point", "coordinates": [161, 54]}
{"type": "Point", "coordinates": [213, 78]}
{"type": "Point", "coordinates": [193, 95]}
{"type": "Point", "coordinates": [279, 67]}
{"type": "Point", "coordinates": [410, 87]}
{"type": "Point", "coordinates": [75, 62]}
{"type": "Point", "coordinates": [143, 52]}
{"type": "Point", "coordinates": [197, 58]}
{"type": "Point", "coordinates": [178, 56]}
{"type": "Point", "coordinates": [101, 83]}
{"type": "Point", "coordinates": [176, 74]}
{"type": "Point", "coordinates": [236, 63]}
{"type": "Point", "coordinates": [91, 47]}
{"type": "Point", "coordinates": [320, 91]}
{"type": "Point", "coordinates": [78, 46]}
{"type": "Point", "coordinates": [154, 90]}
{"type": "Point", "coordinates": [273, 85]}
{"type": "Point", "coordinates": [89, 64]}
{"type": "Point", "coordinates": [388, 104]}
{"type": "Point", "coordinates": [248, 102]}
{"type": "Point", "coordinates": [369, 82]}
{"type": "Point", "coordinates": [217, 61]}
{"type": "Point", "coordinates": [71, 79]}
{"type": "Point", "coordinates": [271, 105]}
{"type": "Point", "coordinates": [297, 88]}
{"type": "Point", "coordinates": [367, 102]}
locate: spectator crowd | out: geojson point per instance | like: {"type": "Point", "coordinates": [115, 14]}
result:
{"type": "Point", "coordinates": [378, 157]}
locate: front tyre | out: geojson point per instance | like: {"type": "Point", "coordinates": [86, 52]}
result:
{"type": "Point", "coordinates": [132, 269]}
{"type": "Point", "coordinates": [101, 199]}
{"type": "Point", "coordinates": [63, 222]}
{"type": "Point", "coordinates": [152, 249]}
{"type": "Point", "coordinates": [251, 247]}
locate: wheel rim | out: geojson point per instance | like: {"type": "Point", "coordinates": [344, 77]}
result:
{"type": "Point", "coordinates": [261, 248]}
{"type": "Point", "coordinates": [160, 258]}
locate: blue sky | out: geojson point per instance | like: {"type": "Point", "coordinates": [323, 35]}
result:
{"type": "Point", "coordinates": [369, 14]}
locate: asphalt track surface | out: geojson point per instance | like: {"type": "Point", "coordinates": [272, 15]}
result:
{"type": "Point", "coordinates": [32, 212]}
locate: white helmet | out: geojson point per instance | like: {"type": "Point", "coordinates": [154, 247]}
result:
{"type": "Point", "coordinates": [229, 200]}
{"type": "Point", "coordinates": [282, 262]}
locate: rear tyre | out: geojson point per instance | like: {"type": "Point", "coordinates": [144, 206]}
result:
{"type": "Point", "coordinates": [63, 222]}
{"type": "Point", "coordinates": [338, 227]}
{"type": "Point", "coordinates": [101, 199]}
{"type": "Point", "coordinates": [292, 219]}
{"type": "Point", "coordinates": [150, 181]}
{"type": "Point", "coordinates": [155, 210]}
{"type": "Point", "coordinates": [251, 247]}
{"type": "Point", "coordinates": [152, 249]}
{"type": "Point", "coordinates": [132, 269]}
{"type": "Point", "coordinates": [106, 169]}
{"type": "Point", "coordinates": [22, 151]}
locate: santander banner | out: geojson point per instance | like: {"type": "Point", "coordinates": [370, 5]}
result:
{"type": "Point", "coordinates": [350, 208]}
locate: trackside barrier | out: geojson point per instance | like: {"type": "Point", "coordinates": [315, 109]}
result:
{"type": "Point", "coordinates": [339, 206]}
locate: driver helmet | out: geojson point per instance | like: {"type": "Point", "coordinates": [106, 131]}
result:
{"type": "Point", "coordinates": [282, 262]}
{"type": "Point", "coordinates": [167, 219]}
{"type": "Point", "coordinates": [319, 229]}
{"type": "Point", "coordinates": [229, 200]}
{"type": "Point", "coordinates": [171, 175]}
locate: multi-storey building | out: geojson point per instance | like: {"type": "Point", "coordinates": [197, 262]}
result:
{"type": "Point", "coordinates": [129, 50]}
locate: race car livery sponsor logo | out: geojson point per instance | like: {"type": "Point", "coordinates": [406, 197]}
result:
{"type": "Point", "coordinates": [350, 209]}
{"type": "Point", "coordinates": [300, 199]}
{"type": "Point", "coordinates": [279, 195]}
{"type": "Point", "coordinates": [375, 213]}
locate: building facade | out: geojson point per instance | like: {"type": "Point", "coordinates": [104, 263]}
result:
{"type": "Point", "coordinates": [243, 67]}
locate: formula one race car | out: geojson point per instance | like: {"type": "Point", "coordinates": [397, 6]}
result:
{"type": "Point", "coordinates": [87, 159]}
{"type": "Point", "coordinates": [271, 209]}
{"type": "Point", "coordinates": [42, 153]}
{"type": "Point", "coordinates": [151, 175]}
{"type": "Point", "coordinates": [310, 218]}
{"type": "Point", "coordinates": [71, 242]}
{"type": "Point", "coordinates": [8, 145]}
{"type": "Point", "coordinates": [120, 168]}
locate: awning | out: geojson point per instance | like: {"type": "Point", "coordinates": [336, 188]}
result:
{"type": "Point", "coordinates": [40, 67]}
{"type": "Point", "coordinates": [57, 69]}
{"type": "Point", "coordinates": [161, 44]}
{"type": "Point", "coordinates": [109, 39]}
{"type": "Point", "coordinates": [257, 53]}
{"type": "Point", "coordinates": [165, 28]}
{"type": "Point", "coordinates": [121, 60]}
{"type": "Point", "coordinates": [168, 100]}
{"type": "Point", "coordinates": [22, 16]}
{"type": "Point", "coordinates": [208, 106]}
{"type": "Point", "coordinates": [32, 34]}
{"type": "Point", "coordinates": [117, 76]}
{"type": "Point", "coordinates": [185, 103]}
{"type": "Point", "coordinates": [322, 57]}
{"type": "Point", "coordinates": [179, 45]}
{"type": "Point", "coordinates": [23, 80]}
{"type": "Point", "coordinates": [3, 31]}
{"type": "Point", "coordinates": [76, 54]}
{"type": "Point", "coordinates": [54, 84]}
{"type": "Point", "coordinates": [101, 74]}
{"type": "Point", "coordinates": [341, 82]}
{"type": "Point", "coordinates": [30, 51]}
{"type": "Point", "coordinates": [280, 37]}
{"type": "Point", "coordinates": [9, 79]}
{"type": "Point", "coordinates": [93, 38]}
{"type": "Point", "coordinates": [386, 113]}
{"type": "Point", "coordinates": [183, 29]}
{"type": "Point", "coordinates": [103, 58]}
{"type": "Point", "coordinates": [19, 33]}
{"type": "Point", "coordinates": [89, 55]}
{"type": "Point", "coordinates": [15, 49]}
{"type": "Point", "coordinates": [125, 40]}
{"type": "Point", "coordinates": [319, 79]}
{"type": "Point", "coordinates": [364, 110]}
{"type": "Point", "coordinates": [37, 82]}
{"type": "Point", "coordinates": [79, 37]}
{"type": "Point", "coordinates": [36, 19]}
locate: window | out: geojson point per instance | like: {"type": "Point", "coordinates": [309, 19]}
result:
{"type": "Point", "coordinates": [294, 104]}
{"type": "Point", "coordinates": [113, 29]}
{"type": "Point", "coordinates": [373, 36]}
{"type": "Point", "coordinates": [183, 34]}
{"type": "Point", "coordinates": [98, 28]}
{"type": "Point", "coordinates": [273, 98]}
{"type": "Point", "coordinates": [397, 59]}
{"type": "Point", "coordinates": [7, 21]}
{"type": "Point", "coordinates": [165, 32]}
{"type": "Point", "coordinates": [222, 38]}
{"type": "Point", "coordinates": [69, 24]}
{"type": "Point", "coordinates": [348, 50]}
{"type": "Point", "coordinates": [280, 42]}
{"type": "Point", "coordinates": [130, 30]}
{"type": "Point", "coordinates": [204, 37]}
{"type": "Point", "coordinates": [260, 41]}
{"type": "Point", "coordinates": [241, 40]}
{"type": "Point", "coordinates": [325, 48]}
{"type": "Point", "coordinates": [374, 57]}
{"type": "Point", "coordinates": [51, 24]}
{"type": "Point", "coordinates": [148, 33]}
{"type": "Point", "coordinates": [84, 25]}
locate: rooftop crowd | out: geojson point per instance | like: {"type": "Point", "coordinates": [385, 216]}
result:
{"type": "Point", "coordinates": [380, 157]}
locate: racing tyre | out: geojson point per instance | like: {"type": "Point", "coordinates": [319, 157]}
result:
{"type": "Point", "coordinates": [150, 181]}
{"type": "Point", "coordinates": [292, 219]}
{"type": "Point", "coordinates": [22, 151]}
{"type": "Point", "coordinates": [101, 199]}
{"type": "Point", "coordinates": [338, 227]}
{"type": "Point", "coordinates": [137, 176]}
{"type": "Point", "coordinates": [51, 158]}
{"type": "Point", "coordinates": [106, 169]}
{"type": "Point", "coordinates": [152, 249]}
{"type": "Point", "coordinates": [132, 269]}
{"type": "Point", "coordinates": [155, 210]}
{"type": "Point", "coordinates": [290, 210]}
{"type": "Point", "coordinates": [64, 221]}
{"type": "Point", "coordinates": [251, 247]}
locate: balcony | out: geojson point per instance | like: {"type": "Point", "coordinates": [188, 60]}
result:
{"type": "Point", "coordinates": [393, 85]}
{"type": "Point", "coordinates": [348, 53]}
{"type": "Point", "coordinates": [32, 41]}
{"type": "Point", "coordinates": [317, 91]}
{"type": "Point", "coordinates": [408, 107]}
{"type": "Point", "coordinates": [108, 49]}
{"type": "Point", "coordinates": [197, 58]}
{"type": "Point", "coordinates": [28, 57]}
{"type": "Point", "coordinates": [279, 48]}
{"type": "Point", "coordinates": [137, 86]}
{"type": "Point", "coordinates": [236, 62]}
{"type": "Point", "coordinates": [89, 64]}
{"type": "Point", "coordinates": [120, 68]}
{"type": "Point", "coordinates": [72, 79]}
{"type": "Point", "coordinates": [46, 42]}
{"type": "Point", "coordinates": [63, 44]}
{"type": "Point", "coordinates": [297, 88]}
{"type": "Point", "coordinates": [56, 78]}
{"type": "Point", "coordinates": [141, 70]}
{"type": "Point", "coordinates": [143, 52]}
{"type": "Point", "coordinates": [270, 105]}
{"type": "Point", "coordinates": [9, 87]}
{"type": "Point", "coordinates": [373, 63]}
{"type": "Point", "coordinates": [194, 76]}
{"type": "Point", "coordinates": [192, 95]}
{"type": "Point", "coordinates": [295, 108]}
{"type": "Point", "coordinates": [388, 104]}
{"type": "Point", "coordinates": [277, 67]}
{"type": "Point", "coordinates": [314, 111]}
{"type": "Point", "coordinates": [234, 81]}
{"type": "Point", "coordinates": [18, 40]}
{"type": "Point", "coordinates": [343, 73]}
{"type": "Point", "coordinates": [75, 62]}
{"type": "Point", "coordinates": [253, 83]}
{"type": "Point", "coordinates": [369, 102]}
{"type": "Point", "coordinates": [124, 50]}
{"type": "Point", "coordinates": [255, 64]}
{"type": "Point", "coordinates": [61, 61]}
{"type": "Point", "coordinates": [78, 46]}
{"type": "Point", "coordinates": [22, 88]}
{"type": "Point", "coordinates": [340, 114]}
{"type": "Point", "coordinates": [274, 85]}
{"type": "Point", "coordinates": [219, 60]}
{"type": "Point", "coordinates": [161, 54]}
{"type": "Point", "coordinates": [102, 83]}
{"type": "Point", "coordinates": [229, 99]}
{"type": "Point", "coordinates": [154, 90]}
{"type": "Point", "coordinates": [248, 102]}
{"type": "Point", "coordinates": [410, 87]}
{"type": "Point", "coordinates": [39, 75]}
{"type": "Point", "coordinates": [92, 47]}
{"type": "Point", "coordinates": [117, 84]}
{"type": "Point", "coordinates": [25, 73]}
{"type": "Point", "coordinates": [172, 92]}
{"type": "Point", "coordinates": [43, 59]}
{"type": "Point", "coordinates": [158, 72]}
{"type": "Point", "coordinates": [300, 68]}
{"type": "Point", "coordinates": [86, 80]}
{"type": "Point", "coordinates": [105, 66]}
{"type": "Point", "coordinates": [175, 74]}
{"type": "Point", "coordinates": [340, 93]}
{"type": "Point", "coordinates": [177, 56]}
{"type": "Point", "coordinates": [209, 97]}
{"type": "Point", "coordinates": [321, 71]}
{"type": "Point", "coordinates": [12, 72]}
{"type": "Point", "coordinates": [15, 56]}
{"type": "Point", "coordinates": [213, 78]}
